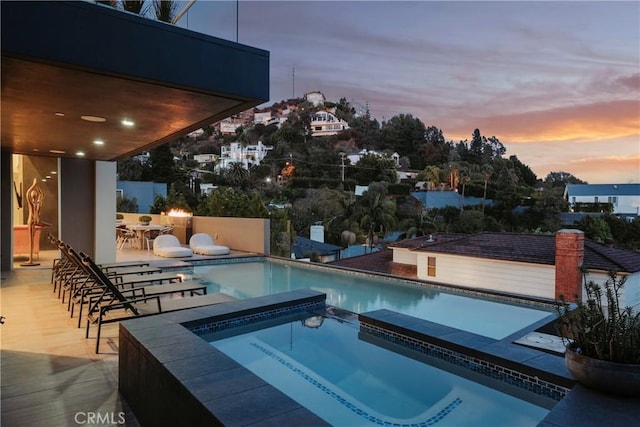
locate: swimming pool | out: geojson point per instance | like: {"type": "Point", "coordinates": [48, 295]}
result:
{"type": "Point", "coordinates": [359, 294]}
{"type": "Point", "coordinates": [324, 365]}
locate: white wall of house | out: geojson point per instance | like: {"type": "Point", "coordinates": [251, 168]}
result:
{"type": "Point", "coordinates": [537, 280]}
{"type": "Point", "coordinates": [629, 294]}
{"type": "Point", "coordinates": [405, 256]}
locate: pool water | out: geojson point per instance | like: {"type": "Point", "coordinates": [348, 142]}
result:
{"type": "Point", "coordinates": [360, 294]}
{"type": "Point", "coordinates": [323, 364]}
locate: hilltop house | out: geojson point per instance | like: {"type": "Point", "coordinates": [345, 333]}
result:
{"type": "Point", "coordinates": [324, 123]}
{"type": "Point", "coordinates": [624, 198]}
{"type": "Point", "coordinates": [248, 155]}
{"type": "Point", "coordinates": [530, 265]}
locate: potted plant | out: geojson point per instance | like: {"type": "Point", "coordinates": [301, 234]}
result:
{"type": "Point", "coordinates": [603, 338]}
{"type": "Point", "coordinates": [144, 219]}
{"type": "Point", "coordinates": [119, 217]}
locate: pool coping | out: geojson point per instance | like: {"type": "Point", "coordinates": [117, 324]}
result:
{"type": "Point", "coordinates": [171, 376]}
{"type": "Point", "coordinates": [527, 368]}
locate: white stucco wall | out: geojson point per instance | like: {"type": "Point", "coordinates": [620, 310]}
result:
{"type": "Point", "coordinates": [629, 294]}
{"type": "Point", "coordinates": [405, 256]}
{"type": "Point", "coordinates": [537, 280]}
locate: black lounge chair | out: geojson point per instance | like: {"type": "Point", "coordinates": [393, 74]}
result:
{"type": "Point", "coordinates": [115, 306]}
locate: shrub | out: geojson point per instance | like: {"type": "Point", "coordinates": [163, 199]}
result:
{"type": "Point", "coordinates": [599, 327]}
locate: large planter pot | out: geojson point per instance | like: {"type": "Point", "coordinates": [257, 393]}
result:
{"type": "Point", "coordinates": [608, 377]}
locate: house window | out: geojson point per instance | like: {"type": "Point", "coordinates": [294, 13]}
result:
{"type": "Point", "coordinates": [613, 200]}
{"type": "Point", "coordinates": [595, 199]}
{"type": "Point", "coordinates": [431, 266]}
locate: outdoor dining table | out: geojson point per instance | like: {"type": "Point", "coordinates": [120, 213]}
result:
{"type": "Point", "coordinates": [140, 229]}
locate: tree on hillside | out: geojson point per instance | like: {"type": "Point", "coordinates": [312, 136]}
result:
{"type": "Point", "coordinates": [561, 179]}
{"type": "Point", "coordinates": [318, 206]}
{"type": "Point", "coordinates": [435, 150]}
{"type": "Point", "coordinates": [372, 168]}
{"type": "Point", "coordinates": [236, 175]}
{"type": "Point", "coordinates": [162, 164]}
{"type": "Point", "coordinates": [377, 212]}
{"type": "Point", "coordinates": [132, 169]}
{"type": "Point", "coordinates": [228, 202]}
{"type": "Point", "coordinates": [595, 228]}
{"type": "Point", "coordinates": [404, 134]}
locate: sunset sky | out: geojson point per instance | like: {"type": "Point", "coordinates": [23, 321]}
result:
{"type": "Point", "coordinates": [558, 83]}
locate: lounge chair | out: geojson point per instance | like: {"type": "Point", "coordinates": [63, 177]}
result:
{"type": "Point", "coordinates": [115, 306]}
{"type": "Point", "coordinates": [168, 246]}
{"type": "Point", "coordinates": [203, 244]}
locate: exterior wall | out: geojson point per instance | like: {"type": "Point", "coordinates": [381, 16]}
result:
{"type": "Point", "coordinates": [405, 256]}
{"type": "Point", "coordinates": [143, 191]}
{"type": "Point", "coordinates": [630, 293]}
{"type": "Point", "coordinates": [621, 205]}
{"type": "Point", "coordinates": [503, 276]}
{"type": "Point", "coordinates": [241, 234]}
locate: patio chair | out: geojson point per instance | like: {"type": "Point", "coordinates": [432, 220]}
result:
{"type": "Point", "coordinates": [168, 246]}
{"type": "Point", "coordinates": [203, 244]}
{"type": "Point", "coordinates": [115, 305]}
{"type": "Point", "coordinates": [126, 237]}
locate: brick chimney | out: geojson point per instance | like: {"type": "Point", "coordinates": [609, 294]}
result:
{"type": "Point", "coordinates": [569, 258]}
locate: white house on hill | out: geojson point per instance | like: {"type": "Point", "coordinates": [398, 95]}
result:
{"type": "Point", "coordinates": [324, 123]}
{"type": "Point", "coordinates": [248, 155]}
{"type": "Point", "coordinates": [624, 198]}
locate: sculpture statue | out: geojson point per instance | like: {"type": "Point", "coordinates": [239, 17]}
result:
{"type": "Point", "coordinates": [35, 196]}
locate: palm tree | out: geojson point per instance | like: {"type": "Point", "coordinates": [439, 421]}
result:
{"type": "Point", "coordinates": [486, 175]}
{"type": "Point", "coordinates": [236, 174]}
{"type": "Point", "coordinates": [165, 10]}
{"type": "Point", "coordinates": [378, 212]}
{"type": "Point", "coordinates": [465, 178]}
{"type": "Point", "coordinates": [134, 6]}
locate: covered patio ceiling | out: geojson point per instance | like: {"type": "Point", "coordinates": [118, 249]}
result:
{"type": "Point", "coordinates": [109, 76]}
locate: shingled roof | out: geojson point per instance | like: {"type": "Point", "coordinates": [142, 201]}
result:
{"type": "Point", "coordinates": [531, 248]}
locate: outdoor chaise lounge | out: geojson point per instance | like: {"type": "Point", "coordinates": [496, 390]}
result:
{"type": "Point", "coordinates": [203, 244]}
{"type": "Point", "coordinates": [116, 306]}
{"type": "Point", "coordinates": [168, 246]}
{"type": "Point", "coordinates": [83, 288]}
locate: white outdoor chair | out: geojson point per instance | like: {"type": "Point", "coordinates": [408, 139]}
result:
{"type": "Point", "coordinates": [203, 244]}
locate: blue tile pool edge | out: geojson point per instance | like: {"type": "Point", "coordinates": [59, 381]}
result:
{"type": "Point", "coordinates": [148, 376]}
{"type": "Point", "coordinates": [510, 372]}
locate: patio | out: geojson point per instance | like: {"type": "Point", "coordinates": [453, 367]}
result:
{"type": "Point", "coordinates": [51, 375]}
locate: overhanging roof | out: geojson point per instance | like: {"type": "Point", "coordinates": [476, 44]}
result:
{"type": "Point", "coordinates": [64, 60]}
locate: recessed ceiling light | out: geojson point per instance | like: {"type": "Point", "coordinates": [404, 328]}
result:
{"type": "Point", "coordinates": [127, 122]}
{"type": "Point", "coordinates": [80, 153]}
{"type": "Point", "coordinates": [59, 114]}
{"type": "Point", "coordinates": [48, 176]}
{"type": "Point", "coordinates": [95, 119]}
{"type": "Point", "coordinates": [44, 180]}
{"type": "Point", "coordinates": [53, 172]}
{"type": "Point", "coordinates": [56, 151]}
{"type": "Point", "coordinates": [98, 142]}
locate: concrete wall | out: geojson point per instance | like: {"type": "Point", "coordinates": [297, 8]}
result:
{"type": "Point", "coordinates": [520, 278]}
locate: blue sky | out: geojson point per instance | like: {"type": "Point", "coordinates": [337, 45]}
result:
{"type": "Point", "coordinates": [557, 82]}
